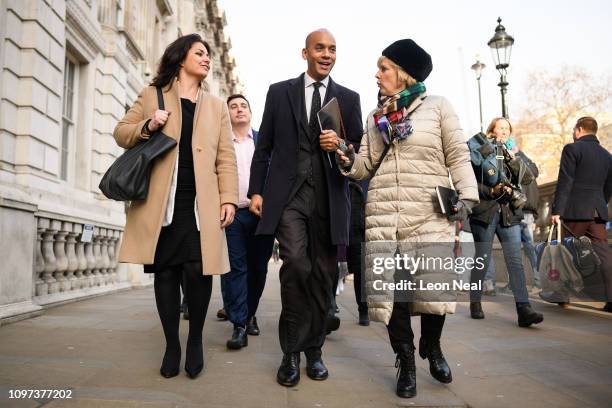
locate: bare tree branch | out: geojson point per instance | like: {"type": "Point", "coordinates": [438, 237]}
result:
{"type": "Point", "coordinates": [554, 101]}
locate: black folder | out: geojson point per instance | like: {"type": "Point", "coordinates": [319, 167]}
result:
{"type": "Point", "coordinates": [447, 198]}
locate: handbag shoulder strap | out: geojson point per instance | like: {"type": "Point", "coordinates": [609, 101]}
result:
{"type": "Point", "coordinates": [160, 98]}
{"type": "Point", "coordinates": [499, 157]}
{"type": "Point", "coordinates": [382, 157]}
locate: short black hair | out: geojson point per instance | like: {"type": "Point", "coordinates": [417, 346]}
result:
{"type": "Point", "coordinates": [236, 96]}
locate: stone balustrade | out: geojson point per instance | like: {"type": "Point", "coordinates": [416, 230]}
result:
{"type": "Point", "coordinates": [64, 263]}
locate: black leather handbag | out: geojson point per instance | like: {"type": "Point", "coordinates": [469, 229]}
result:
{"type": "Point", "coordinates": [128, 177]}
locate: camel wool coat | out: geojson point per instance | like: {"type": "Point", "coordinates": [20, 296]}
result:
{"type": "Point", "coordinates": [216, 175]}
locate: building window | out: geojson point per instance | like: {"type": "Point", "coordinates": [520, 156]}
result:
{"type": "Point", "coordinates": [68, 116]}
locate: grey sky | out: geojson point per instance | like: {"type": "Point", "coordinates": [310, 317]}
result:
{"type": "Point", "coordinates": [268, 35]}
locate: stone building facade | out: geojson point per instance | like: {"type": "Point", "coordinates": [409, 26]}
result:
{"type": "Point", "coordinates": [69, 69]}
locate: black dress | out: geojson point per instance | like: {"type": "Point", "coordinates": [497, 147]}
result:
{"type": "Point", "coordinates": [179, 242]}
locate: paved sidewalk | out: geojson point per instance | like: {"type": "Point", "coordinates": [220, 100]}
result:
{"type": "Point", "coordinates": [108, 351]}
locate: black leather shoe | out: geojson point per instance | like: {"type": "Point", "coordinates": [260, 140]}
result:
{"type": "Point", "coordinates": [171, 363]}
{"type": "Point", "coordinates": [527, 316]}
{"type": "Point", "coordinates": [289, 371]}
{"type": "Point", "coordinates": [332, 323]}
{"type": "Point", "coordinates": [406, 372]}
{"type": "Point", "coordinates": [194, 360]}
{"type": "Point", "coordinates": [476, 310]}
{"type": "Point", "coordinates": [239, 339]}
{"type": "Point", "coordinates": [364, 319]}
{"type": "Point", "coordinates": [315, 369]}
{"type": "Point", "coordinates": [438, 367]}
{"type": "Point", "coordinates": [252, 327]}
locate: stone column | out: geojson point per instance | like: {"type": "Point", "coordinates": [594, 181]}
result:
{"type": "Point", "coordinates": [73, 261]}
{"type": "Point", "coordinates": [91, 264]}
{"type": "Point", "coordinates": [81, 258]}
{"type": "Point", "coordinates": [49, 255]}
{"type": "Point", "coordinates": [104, 240]}
{"type": "Point", "coordinates": [59, 247]}
{"type": "Point", "coordinates": [41, 287]}
{"type": "Point", "coordinates": [107, 12]}
{"type": "Point", "coordinates": [113, 238]}
{"type": "Point", "coordinates": [97, 274]}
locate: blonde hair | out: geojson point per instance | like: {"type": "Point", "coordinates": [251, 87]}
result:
{"type": "Point", "coordinates": [402, 75]}
{"type": "Point", "coordinates": [493, 123]}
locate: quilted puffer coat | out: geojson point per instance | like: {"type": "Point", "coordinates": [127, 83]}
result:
{"type": "Point", "coordinates": [402, 205]}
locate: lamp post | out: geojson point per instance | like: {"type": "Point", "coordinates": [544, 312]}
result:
{"type": "Point", "coordinates": [501, 48]}
{"type": "Point", "coordinates": [477, 68]}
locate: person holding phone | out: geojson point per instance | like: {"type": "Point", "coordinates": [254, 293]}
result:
{"type": "Point", "coordinates": [412, 144]}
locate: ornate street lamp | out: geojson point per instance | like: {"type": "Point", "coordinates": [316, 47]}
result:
{"type": "Point", "coordinates": [501, 48]}
{"type": "Point", "coordinates": [478, 67]}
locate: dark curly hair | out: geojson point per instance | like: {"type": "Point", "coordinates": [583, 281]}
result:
{"type": "Point", "coordinates": [174, 55]}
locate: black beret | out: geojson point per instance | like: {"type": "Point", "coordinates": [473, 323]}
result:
{"type": "Point", "coordinates": [410, 57]}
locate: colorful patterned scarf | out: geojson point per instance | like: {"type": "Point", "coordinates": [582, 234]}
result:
{"type": "Point", "coordinates": [391, 117]}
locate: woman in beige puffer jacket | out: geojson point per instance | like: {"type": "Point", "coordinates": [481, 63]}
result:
{"type": "Point", "coordinates": [402, 211]}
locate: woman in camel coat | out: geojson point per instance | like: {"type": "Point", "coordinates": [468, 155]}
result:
{"type": "Point", "coordinates": [193, 193]}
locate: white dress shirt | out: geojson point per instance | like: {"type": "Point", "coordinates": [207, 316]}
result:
{"type": "Point", "coordinates": [244, 155]}
{"type": "Point", "coordinates": [309, 90]}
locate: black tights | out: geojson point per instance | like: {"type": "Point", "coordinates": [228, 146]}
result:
{"type": "Point", "coordinates": [197, 288]}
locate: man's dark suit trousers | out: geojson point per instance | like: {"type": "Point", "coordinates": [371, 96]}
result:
{"type": "Point", "coordinates": [309, 262]}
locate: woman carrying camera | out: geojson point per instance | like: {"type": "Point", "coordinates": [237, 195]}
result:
{"type": "Point", "coordinates": [193, 193]}
{"type": "Point", "coordinates": [499, 213]}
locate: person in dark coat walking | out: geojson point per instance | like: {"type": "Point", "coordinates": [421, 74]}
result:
{"type": "Point", "coordinates": [301, 197]}
{"type": "Point", "coordinates": [584, 188]}
{"type": "Point", "coordinates": [359, 190]}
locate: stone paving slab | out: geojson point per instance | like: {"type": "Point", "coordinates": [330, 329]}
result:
{"type": "Point", "coordinates": [108, 350]}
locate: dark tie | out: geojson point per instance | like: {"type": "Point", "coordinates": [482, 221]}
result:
{"type": "Point", "coordinates": [315, 107]}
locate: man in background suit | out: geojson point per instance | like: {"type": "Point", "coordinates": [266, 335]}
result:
{"type": "Point", "coordinates": [584, 187]}
{"type": "Point", "coordinates": [248, 254]}
{"type": "Point", "coordinates": [301, 196]}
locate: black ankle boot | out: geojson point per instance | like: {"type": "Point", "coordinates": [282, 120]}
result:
{"type": "Point", "coordinates": [194, 359]}
{"type": "Point", "coordinates": [438, 367]}
{"type": "Point", "coordinates": [527, 316]}
{"type": "Point", "coordinates": [252, 327]}
{"type": "Point", "coordinates": [364, 319]}
{"type": "Point", "coordinates": [406, 371]}
{"type": "Point", "coordinates": [171, 362]}
{"type": "Point", "coordinates": [476, 310]}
